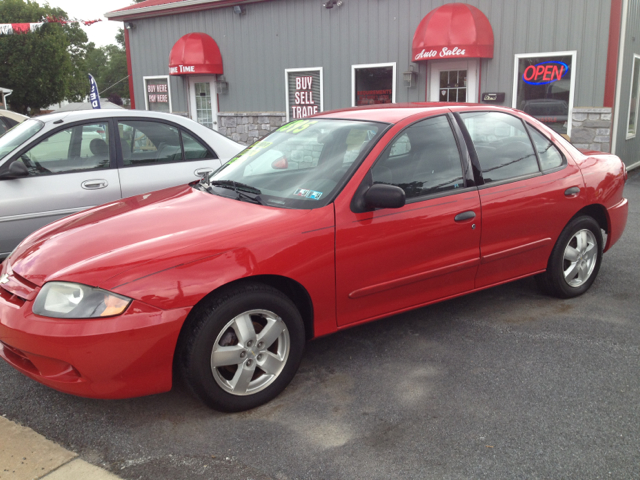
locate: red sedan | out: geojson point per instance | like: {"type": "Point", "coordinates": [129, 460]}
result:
{"type": "Point", "coordinates": [327, 223]}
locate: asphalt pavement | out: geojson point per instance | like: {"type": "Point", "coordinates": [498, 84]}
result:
{"type": "Point", "coordinates": [502, 384]}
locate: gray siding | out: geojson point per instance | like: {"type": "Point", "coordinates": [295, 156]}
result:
{"type": "Point", "coordinates": [257, 47]}
{"type": "Point", "coordinates": [628, 150]}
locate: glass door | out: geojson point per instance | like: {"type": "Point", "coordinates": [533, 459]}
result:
{"type": "Point", "coordinates": [453, 81]}
{"type": "Point", "coordinates": [203, 101]}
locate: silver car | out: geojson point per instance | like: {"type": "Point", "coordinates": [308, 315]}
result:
{"type": "Point", "coordinates": [62, 163]}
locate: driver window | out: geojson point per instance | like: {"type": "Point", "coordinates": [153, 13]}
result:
{"type": "Point", "coordinates": [423, 160]}
{"type": "Point", "coordinates": [75, 149]}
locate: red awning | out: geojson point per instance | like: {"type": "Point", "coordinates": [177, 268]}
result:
{"type": "Point", "coordinates": [195, 54]}
{"type": "Point", "coordinates": [454, 30]}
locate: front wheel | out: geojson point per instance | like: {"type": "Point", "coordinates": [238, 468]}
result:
{"type": "Point", "coordinates": [243, 348]}
{"type": "Point", "coordinates": [575, 259]}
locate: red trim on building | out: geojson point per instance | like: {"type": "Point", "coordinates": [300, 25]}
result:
{"type": "Point", "coordinates": [615, 24]}
{"type": "Point", "coordinates": [157, 8]}
{"type": "Point", "coordinates": [127, 47]}
{"type": "Point", "coordinates": [195, 54]}
{"type": "Point", "coordinates": [454, 30]}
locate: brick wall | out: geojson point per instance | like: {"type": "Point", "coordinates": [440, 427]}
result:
{"type": "Point", "coordinates": [591, 128]}
{"type": "Point", "coordinates": [248, 127]}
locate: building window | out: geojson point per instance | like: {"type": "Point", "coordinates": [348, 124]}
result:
{"type": "Point", "coordinates": [632, 121]}
{"type": "Point", "coordinates": [453, 86]}
{"type": "Point", "coordinates": [157, 94]}
{"type": "Point", "coordinates": [544, 86]}
{"type": "Point", "coordinates": [373, 84]}
{"type": "Point", "coordinates": [304, 92]}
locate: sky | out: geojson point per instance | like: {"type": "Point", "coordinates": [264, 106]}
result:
{"type": "Point", "coordinates": [101, 33]}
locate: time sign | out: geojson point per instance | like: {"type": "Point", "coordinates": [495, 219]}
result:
{"type": "Point", "coordinates": [545, 72]}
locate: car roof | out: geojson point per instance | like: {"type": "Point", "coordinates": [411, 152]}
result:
{"type": "Point", "coordinates": [396, 112]}
{"type": "Point", "coordinates": [79, 115]}
{"type": "Point", "coordinates": [13, 115]}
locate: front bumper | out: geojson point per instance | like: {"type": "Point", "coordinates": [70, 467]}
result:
{"type": "Point", "coordinates": [119, 357]}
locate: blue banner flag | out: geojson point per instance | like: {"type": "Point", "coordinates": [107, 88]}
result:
{"type": "Point", "coordinates": [94, 96]}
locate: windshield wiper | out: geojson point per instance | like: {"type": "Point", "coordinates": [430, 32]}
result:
{"type": "Point", "coordinates": [235, 186]}
{"type": "Point", "coordinates": [244, 191]}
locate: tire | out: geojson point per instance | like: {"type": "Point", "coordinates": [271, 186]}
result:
{"type": "Point", "coordinates": [242, 348]}
{"type": "Point", "coordinates": [575, 260]}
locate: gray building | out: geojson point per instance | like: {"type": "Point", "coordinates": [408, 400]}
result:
{"type": "Point", "coordinates": [245, 67]}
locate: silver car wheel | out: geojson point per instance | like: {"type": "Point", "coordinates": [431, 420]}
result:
{"type": "Point", "coordinates": [580, 258]}
{"type": "Point", "coordinates": [250, 352]}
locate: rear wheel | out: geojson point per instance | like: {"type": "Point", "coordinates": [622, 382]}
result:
{"type": "Point", "coordinates": [575, 259]}
{"type": "Point", "coordinates": [243, 348]}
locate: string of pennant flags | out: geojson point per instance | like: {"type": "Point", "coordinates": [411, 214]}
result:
{"type": "Point", "coordinates": [11, 28]}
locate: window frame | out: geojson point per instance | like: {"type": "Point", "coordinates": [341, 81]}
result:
{"type": "Point", "coordinates": [373, 65]}
{"type": "Point", "coordinates": [573, 54]}
{"type": "Point", "coordinates": [629, 136]}
{"type": "Point", "coordinates": [180, 128]}
{"type": "Point", "coordinates": [146, 94]}
{"type": "Point", "coordinates": [463, 156]}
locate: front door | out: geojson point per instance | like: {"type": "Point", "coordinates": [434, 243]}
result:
{"type": "Point", "coordinates": [453, 81]}
{"type": "Point", "coordinates": [203, 101]}
{"type": "Point", "coordinates": [392, 259]}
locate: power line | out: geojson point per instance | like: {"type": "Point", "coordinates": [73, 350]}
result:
{"type": "Point", "coordinates": [114, 84]}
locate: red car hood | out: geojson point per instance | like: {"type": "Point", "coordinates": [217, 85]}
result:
{"type": "Point", "coordinates": [143, 234]}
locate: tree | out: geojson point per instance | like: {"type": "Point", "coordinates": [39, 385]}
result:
{"type": "Point", "coordinates": [108, 65]}
{"type": "Point", "coordinates": [44, 66]}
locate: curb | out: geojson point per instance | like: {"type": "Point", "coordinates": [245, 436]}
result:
{"type": "Point", "coordinates": [27, 455]}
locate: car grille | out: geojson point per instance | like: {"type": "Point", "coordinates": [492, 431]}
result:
{"type": "Point", "coordinates": [18, 288]}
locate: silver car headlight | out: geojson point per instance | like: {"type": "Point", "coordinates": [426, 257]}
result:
{"type": "Point", "coordinates": [74, 300]}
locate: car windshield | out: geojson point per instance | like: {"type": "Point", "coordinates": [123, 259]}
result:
{"type": "Point", "coordinates": [19, 134]}
{"type": "Point", "coordinates": [301, 165]}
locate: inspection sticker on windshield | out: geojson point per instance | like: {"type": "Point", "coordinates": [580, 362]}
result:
{"type": "Point", "coordinates": [302, 192]}
{"type": "Point", "coordinates": [312, 194]}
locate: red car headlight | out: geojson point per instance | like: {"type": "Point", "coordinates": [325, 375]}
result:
{"type": "Point", "coordinates": [74, 300]}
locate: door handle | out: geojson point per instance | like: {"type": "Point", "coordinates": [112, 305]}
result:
{"type": "Point", "coordinates": [572, 192]}
{"type": "Point", "coordinates": [461, 217]}
{"type": "Point", "coordinates": [94, 184]}
{"type": "Point", "coordinates": [201, 172]}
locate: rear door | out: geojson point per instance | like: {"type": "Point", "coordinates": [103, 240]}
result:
{"type": "Point", "coordinates": [156, 155]}
{"type": "Point", "coordinates": [526, 197]}
{"type": "Point", "coordinates": [70, 169]}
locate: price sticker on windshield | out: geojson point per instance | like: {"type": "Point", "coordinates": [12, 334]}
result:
{"type": "Point", "coordinates": [297, 126]}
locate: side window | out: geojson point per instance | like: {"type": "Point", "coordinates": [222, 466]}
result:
{"type": "Point", "coordinates": [502, 144]}
{"type": "Point", "coordinates": [423, 160]}
{"type": "Point", "coordinates": [548, 154]}
{"type": "Point", "coordinates": [75, 149]}
{"type": "Point", "coordinates": [147, 143]}
{"type": "Point", "coordinates": [193, 149]}
{"type": "Point", "coordinates": [3, 127]}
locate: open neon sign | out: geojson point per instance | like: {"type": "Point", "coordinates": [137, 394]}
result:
{"type": "Point", "coordinates": [544, 73]}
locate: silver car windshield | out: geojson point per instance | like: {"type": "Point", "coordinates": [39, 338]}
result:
{"type": "Point", "coordinates": [19, 134]}
{"type": "Point", "coordinates": [301, 165]}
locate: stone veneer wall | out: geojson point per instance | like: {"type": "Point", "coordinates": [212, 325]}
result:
{"type": "Point", "coordinates": [591, 128]}
{"type": "Point", "coordinates": [248, 127]}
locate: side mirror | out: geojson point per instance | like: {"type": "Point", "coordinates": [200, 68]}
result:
{"type": "Point", "coordinates": [16, 170]}
{"type": "Point", "coordinates": [384, 196]}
